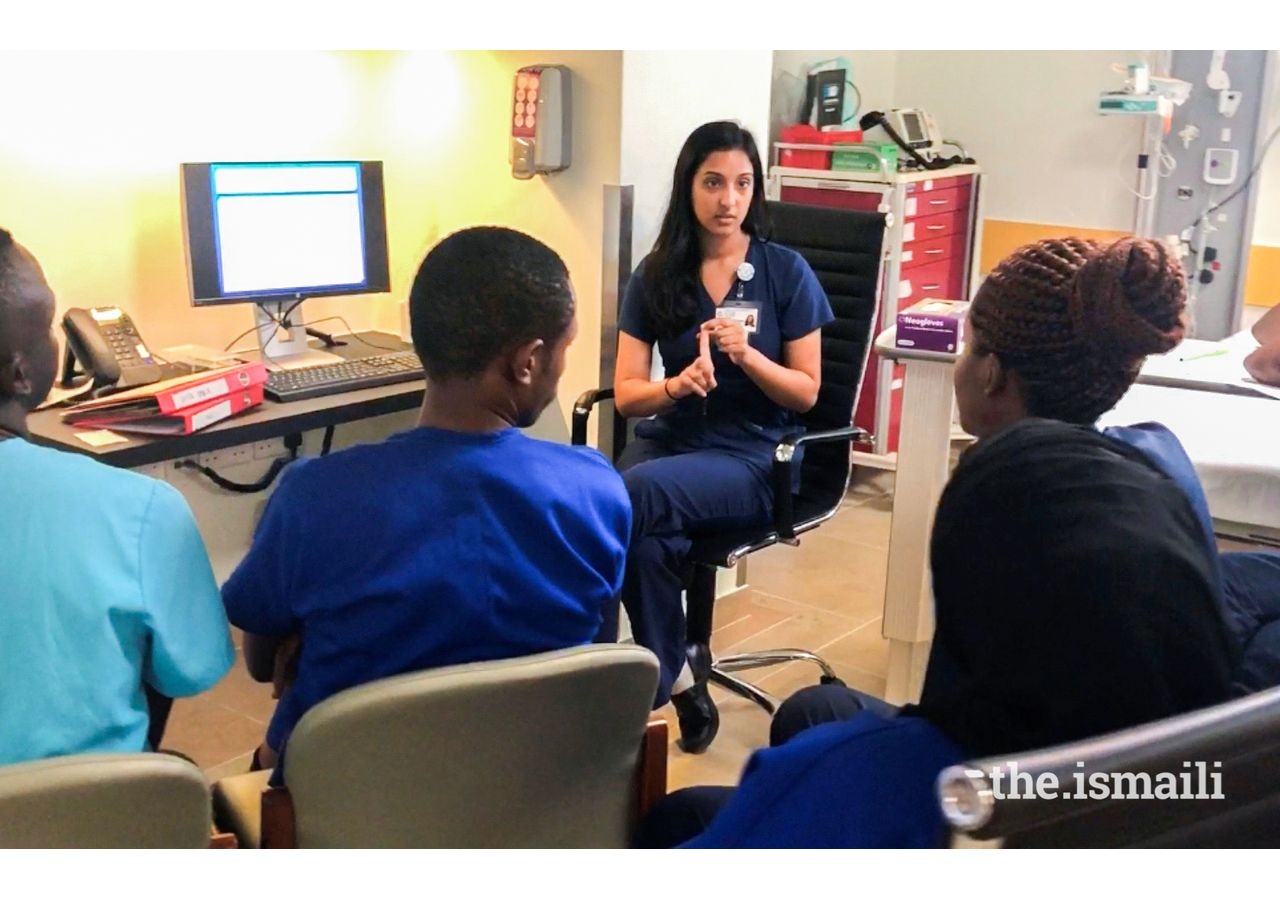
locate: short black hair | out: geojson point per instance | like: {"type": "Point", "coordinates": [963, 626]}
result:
{"type": "Point", "coordinates": [7, 258]}
{"type": "Point", "coordinates": [481, 291]}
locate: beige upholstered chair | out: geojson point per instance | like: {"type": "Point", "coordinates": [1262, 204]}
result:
{"type": "Point", "coordinates": [550, 750]}
{"type": "Point", "coordinates": [124, 800]}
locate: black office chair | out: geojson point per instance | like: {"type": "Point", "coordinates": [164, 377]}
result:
{"type": "Point", "coordinates": [1238, 742]}
{"type": "Point", "coordinates": [845, 249]}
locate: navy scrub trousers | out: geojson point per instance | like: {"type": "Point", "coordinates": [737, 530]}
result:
{"type": "Point", "coordinates": [715, 477]}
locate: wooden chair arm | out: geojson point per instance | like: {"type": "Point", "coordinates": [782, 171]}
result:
{"type": "Point", "coordinates": [652, 782]}
{"type": "Point", "coordinates": [279, 830]}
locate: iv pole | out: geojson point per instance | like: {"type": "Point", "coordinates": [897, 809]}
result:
{"type": "Point", "coordinates": [1149, 158]}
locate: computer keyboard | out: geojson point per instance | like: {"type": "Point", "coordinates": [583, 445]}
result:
{"type": "Point", "coordinates": [284, 385]}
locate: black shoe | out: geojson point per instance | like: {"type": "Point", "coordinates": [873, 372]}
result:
{"type": "Point", "coordinates": [698, 717]}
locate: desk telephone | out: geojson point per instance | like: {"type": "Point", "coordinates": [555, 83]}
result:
{"type": "Point", "coordinates": [105, 343]}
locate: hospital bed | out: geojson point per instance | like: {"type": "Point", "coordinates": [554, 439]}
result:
{"type": "Point", "coordinates": [1230, 430]}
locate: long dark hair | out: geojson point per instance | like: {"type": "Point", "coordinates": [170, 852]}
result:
{"type": "Point", "coordinates": [672, 269]}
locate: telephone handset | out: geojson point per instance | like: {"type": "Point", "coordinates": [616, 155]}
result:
{"type": "Point", "coordinates": [106, 345]}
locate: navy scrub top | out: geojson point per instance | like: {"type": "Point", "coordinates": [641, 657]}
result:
{"type": "Point", "coordinates": [788, 303]}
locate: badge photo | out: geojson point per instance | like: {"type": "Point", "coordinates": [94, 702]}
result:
{"type": "Point", "coordinates": [747, 315]}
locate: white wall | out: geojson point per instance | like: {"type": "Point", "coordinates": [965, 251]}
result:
{"type": "Point", "coordinates": [1029, 119]}
{"type": "Point", "coordinates": [665, 95]}
{"type": "Point", "coordinates": [1266, 222]}
{"type": "Point", "coordinates": [874, 75]}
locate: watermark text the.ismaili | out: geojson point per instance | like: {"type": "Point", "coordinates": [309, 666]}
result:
{"type": "Point", "coordinates": [1194, 781]}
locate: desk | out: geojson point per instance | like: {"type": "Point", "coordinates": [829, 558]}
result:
{"type": "Point", "coordinates": [270, 420]}
{"type": "Point", "coordinates": [924, 446]}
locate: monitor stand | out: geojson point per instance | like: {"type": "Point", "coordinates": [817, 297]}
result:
{"type": "Point", "coordinates": [286, 348]}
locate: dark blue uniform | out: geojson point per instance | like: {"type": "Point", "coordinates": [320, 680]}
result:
{"type": "Point", "coordinates": [429, 549]}
{"type": "Point", "coordinates": [704, 464]}
{"type": "Point", "coordinates": [1250, 580]}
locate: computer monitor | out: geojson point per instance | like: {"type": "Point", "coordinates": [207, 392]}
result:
{"type": "Point", "coordinates": [276, 233]}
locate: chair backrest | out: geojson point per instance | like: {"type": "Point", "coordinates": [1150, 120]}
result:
{"type": "Point", "coordinates": [124, 800]}
{"type": "Point", "coordinates": [845, 249]}
{"type": "Point", "coordinates": [1221, 762]}
{"type": "Point", "coordinates": [538, 751]}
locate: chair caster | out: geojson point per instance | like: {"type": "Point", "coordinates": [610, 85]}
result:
{"type": "Point", "coordinates": [699, 656]}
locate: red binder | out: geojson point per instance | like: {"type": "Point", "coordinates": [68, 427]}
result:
{"type": "Point", "coordinates": [180, 421]}
{"type": "Point", "coordinates": [177, 405]}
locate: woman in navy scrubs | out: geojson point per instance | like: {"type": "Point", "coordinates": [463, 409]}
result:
{"type": "Point", "coordinates": [736, 320]}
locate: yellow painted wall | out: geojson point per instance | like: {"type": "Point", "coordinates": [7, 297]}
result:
{"type": "Point", "coordinates": [91, 143]}
{"type": "Point", "coordinates": [1001, 237]}
{"type": "Point", "coordinates": [1262, 281]}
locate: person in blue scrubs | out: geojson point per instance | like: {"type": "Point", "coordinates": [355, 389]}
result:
{"type": "Point", "coordinates": [459, 540]}
{"type": "Point", "coordinates": [1042, 560]}
{"type": "Point", "coordinates": [1059, 330]}
{"type": "Point", "coordinates": [1049, 628]}
{"type": "Point", "coordinates": [736, 320]}
{"type": "Point", "coordinates": [108, 605]}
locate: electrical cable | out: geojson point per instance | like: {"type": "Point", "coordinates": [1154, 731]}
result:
{"type": "Point", "coordinates": [291, 441]}
{"type": "Point", "coordinates": [279, 322]}
{"type": "Point", "coordinates": [1125, 154]}
{"type": "Point", "coordinates": [353, 334]}
{"type": "Point", "coordinates": [857, 103]}
{"type": "Point", "coordinates": [875, 117]}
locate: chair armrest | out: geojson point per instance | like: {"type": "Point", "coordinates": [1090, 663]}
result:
{"type": "Point", "coordinates": [784, 461]}
{"type": "Point", "coordinates": [652, 765]}
{"type": "Point", "coordinates": [582, 412]}
{"type": "Point", "coordinates": [279, 829]}
{"type": "Point", "coordinates": [222, 840]}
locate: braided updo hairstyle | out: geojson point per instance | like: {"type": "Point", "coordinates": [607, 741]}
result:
{"type": "Point", "coordinates": [1075, 319]}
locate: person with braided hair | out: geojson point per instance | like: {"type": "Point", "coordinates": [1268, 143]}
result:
{"type": "Point", "coordinates": [1059, 330]}
{"type": "Point", "coordinates": [1077, 585]}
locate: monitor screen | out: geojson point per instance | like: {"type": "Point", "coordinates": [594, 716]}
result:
{"type": "Point", "coordinates": [275, 230]}
{"type": "Point", "coordinates": [914, 129]}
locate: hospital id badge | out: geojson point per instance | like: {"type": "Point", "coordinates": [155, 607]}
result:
{"type": "Point", "coordinates": [745, 314]}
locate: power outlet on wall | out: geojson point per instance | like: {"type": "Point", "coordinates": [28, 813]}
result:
{"type": "Point", "coordinates": [230, 456]}
{"type": "Point", "coordinates": [273, 448]}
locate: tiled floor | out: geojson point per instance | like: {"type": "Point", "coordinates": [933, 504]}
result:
{"type": "Point", "coordinates": [824, 595]}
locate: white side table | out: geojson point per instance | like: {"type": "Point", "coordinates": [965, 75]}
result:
{"type": "Point", "coordinates": [924, 446]}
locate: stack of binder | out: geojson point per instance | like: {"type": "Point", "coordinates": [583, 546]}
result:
{"type": "Point", "coordinates": [177, 405]}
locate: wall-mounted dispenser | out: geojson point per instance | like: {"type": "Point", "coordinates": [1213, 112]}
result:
{"type": "Point", "coordinates": [542, 100]}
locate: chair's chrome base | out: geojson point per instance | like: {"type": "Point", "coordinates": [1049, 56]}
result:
{"type": "Point", "coordinates": [738, 662]}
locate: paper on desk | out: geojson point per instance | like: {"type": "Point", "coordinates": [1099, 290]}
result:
{"type": "Point", "coordinates": [1207, 365]}
{"type": "Point", "coordinates": [201, 357]}
{"type": "Point", "coordinates": [101, 438]}
{"type": "Point", "coordinates": [60, 396]}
